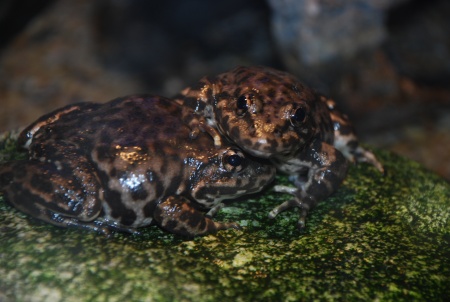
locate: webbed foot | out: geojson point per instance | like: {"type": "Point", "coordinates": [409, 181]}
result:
{"type": "Point", "coordinates": [289, 204]}
{"type": "Point", "coordinates": [178, 216]}
{"type": "Point", "coordinates": [362, 155]}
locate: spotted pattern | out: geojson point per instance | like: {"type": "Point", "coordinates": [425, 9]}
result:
{"type": "Point", "coordinates": [269, 98]}
{"type": "Point", "coordinates": [126, 164]}
{"type": "Point", "coordinates": [271, 114]}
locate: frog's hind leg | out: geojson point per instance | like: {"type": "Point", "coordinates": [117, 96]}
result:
{"type": "Point", "coordinates": [52, 192]}
{"type": "Point", "coordinates": [177, 215]}
{"type": "Point", "coordinates": [346, 141]}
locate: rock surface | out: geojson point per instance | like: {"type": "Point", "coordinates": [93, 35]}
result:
{"type": "Point", "coordinates": [383, 238]}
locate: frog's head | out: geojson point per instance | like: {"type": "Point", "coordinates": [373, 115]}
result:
{"type": "Point", "coordinates": [230, 174]}
{"type": "Point", "coordinates": [264, 111]}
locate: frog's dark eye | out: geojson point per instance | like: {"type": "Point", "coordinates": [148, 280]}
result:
{"type": "Point", "coordinates": [298, 117]}
{"type": "Point", "coordinates": [242, 104]}
{"type": "Point", "coordinates": [233, 160]}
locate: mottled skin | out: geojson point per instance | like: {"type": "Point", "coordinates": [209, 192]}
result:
{"type": "Point", "coordinates": [271, 114]}
{"type": "Point", "coordinates": [126, 164]}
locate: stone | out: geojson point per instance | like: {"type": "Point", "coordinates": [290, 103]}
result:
{"type": "Point", "coordinates": [384, 238]}
{"type": "Point", "coordinates": [313, 32]}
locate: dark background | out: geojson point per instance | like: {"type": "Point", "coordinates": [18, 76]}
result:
{"type": "Point", "coordinates": [391, 72]}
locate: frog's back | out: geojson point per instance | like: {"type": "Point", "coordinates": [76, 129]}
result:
{"type": "Point", "coordinates": [121, 158]}
{"type": "Point", "coordinates": [124, 120]}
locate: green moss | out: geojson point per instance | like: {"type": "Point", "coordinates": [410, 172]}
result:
{"type": "Point", "coordinates": [8, 147]}
{"type": "Point", "coordinates": [378, 238]}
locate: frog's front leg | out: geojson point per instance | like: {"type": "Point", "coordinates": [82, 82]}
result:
{"type": "Point", "coordinates": [196, 112]}
{"type": "Point", "coordinates": [178, 215]}
{"type": "Point", "coordinates": [316, 174]}
{"type": "Point", "coordinates": [53, 191]}
{"type": "Point", "coordinates": [198, 123]}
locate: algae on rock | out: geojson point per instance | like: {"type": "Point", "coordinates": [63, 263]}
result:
{"type": "Point", "coordinates": [377, 238]}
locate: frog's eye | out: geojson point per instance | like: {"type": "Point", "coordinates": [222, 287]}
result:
{"type": "Point", "coordinates": [233, 160]}
{"type": "Point", "coordinates": [243, 104]}
{"type": "Point", "coordinates": [298, 116]}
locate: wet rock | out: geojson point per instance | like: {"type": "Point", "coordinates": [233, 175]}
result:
{"type": "Point", "coordinates": [383, 238]}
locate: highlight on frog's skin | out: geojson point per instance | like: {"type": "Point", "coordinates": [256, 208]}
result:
{"type": "Point", "coordinates": [271, 114]}
{"type": "Point", "coordinates": [130, 165]}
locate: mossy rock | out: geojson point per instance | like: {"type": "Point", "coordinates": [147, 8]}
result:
{"type": "Point", "coordinates": [378, 237]}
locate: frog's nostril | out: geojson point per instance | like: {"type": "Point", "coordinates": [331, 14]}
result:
{"type": "Point", "coordinates": [277, 132]}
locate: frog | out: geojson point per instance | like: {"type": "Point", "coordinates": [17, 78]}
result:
{"type": "Point", "coordinates": [271, 114]}
{"type": "Point", "coordinates": [126, 164]}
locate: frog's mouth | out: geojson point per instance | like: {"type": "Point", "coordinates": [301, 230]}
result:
{"type": "Point", "coordinates": [269, 148]}
{"type": "Point", "coordinates": [257, 149]}
{"type": "Point", "coordinates": [252, 182]}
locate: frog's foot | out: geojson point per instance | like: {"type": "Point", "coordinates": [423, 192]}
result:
{"type": "Point", "coordinates": [292, 203]}
{"type": "Point", "coordinates": [178, 216]}
{"type": "Point", "coordinates": [198, 126]}
{"type": "Point", "coordinates": [213, 211]}
{"type": "Point", "coordinates": [362, 155]}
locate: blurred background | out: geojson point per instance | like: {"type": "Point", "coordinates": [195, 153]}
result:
{"type": "Point", "coordinates": [386, 62]}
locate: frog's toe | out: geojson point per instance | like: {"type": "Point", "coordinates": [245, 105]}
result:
{"type": "Point", "coordinates": [289, 204]}
{"type": "Point", "coordinates": [227, 225]}
{"type": "Point", "coordinates": [365, 156]}
{"type": "Point", "coordinates": [301, 223]}
{"type": "Point", "coordinates": [213, 211]}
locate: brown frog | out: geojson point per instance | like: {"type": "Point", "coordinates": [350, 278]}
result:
{"type": "Point", "coordinates": [271, 114]}
{"type": "Point", "coordinates": [126, 164]}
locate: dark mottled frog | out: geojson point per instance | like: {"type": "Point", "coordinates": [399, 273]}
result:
{"type": "Point", "coordinates": [126, 164]}
{"type": "Point", "coordinates": [271, 114]}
